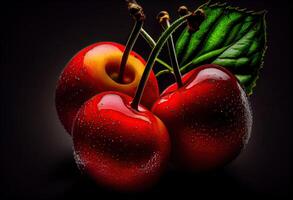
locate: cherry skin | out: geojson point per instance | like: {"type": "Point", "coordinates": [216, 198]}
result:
{"type": "Point", "coordinates": [121, 148]}
{"type": "Point", "coordinates": [95, 69]}
{"type": "Point", "coordinates": [209, 118]}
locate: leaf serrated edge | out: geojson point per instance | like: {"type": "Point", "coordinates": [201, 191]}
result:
{"type": "Point", "coordinates": [217, 4]}
{"type": "Point", "coordinates": [264, 13]}
{"type": "Point", "coordinates": [242, 10]}
{"type": "Point", "coordinates": [205, 4]}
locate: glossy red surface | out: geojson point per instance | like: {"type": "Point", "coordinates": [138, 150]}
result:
{"type": "Point", "coordinates": [91, 71]}
{"type": "Point", "coordinates": [119, 147]}
{"type": "Point", "coordinates": [209, 118]}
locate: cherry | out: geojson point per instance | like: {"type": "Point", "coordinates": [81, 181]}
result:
{"type": "Point", "coordinates": [120, 147]}
{"type": "Point", "coordinates": [208, 118]}
{"type": "Point", "coordinates": [104, 66]}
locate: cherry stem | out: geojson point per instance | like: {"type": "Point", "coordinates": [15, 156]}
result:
{"type": "Point", "coordinates": [137, 12]}
{"type": "Point", "coordinates": [163, 18]}
{"type": "Point", "coordinates": [165, 71]}
{"type": "Point", "coordinates": [129, 46]}
{"type": "Point", "coordinates": [152, 58]}
{"type": "Point", "coordinates": [152, 44]}
{"type": "Point", "coordinates": [148, 38]}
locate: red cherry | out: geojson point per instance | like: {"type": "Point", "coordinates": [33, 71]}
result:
{"type": "Point", "coordinates": [95, 69]}
{"type": "Point", "coordinates": [118, 146]}
{"type": "Point", "coordinates": [209, 118]}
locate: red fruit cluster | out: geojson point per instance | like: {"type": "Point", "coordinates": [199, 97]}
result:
{"type": "Point", "coordinates": [208, 120]}
{"type": "Point", "coordinates": [119, 146]}
{"type": "Point", "coordinates": [200, 123]}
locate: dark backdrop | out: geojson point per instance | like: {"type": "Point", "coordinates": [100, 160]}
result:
{"type": "Point", "coordinates": [36, 153]}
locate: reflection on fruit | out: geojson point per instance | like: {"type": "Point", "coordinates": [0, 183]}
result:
{"type": "Point", "coordinates": [95, 69]}
{"type": "Point", "coordinates": [209, 118]}
{"type": "Point", "coordinates": [122, 148]}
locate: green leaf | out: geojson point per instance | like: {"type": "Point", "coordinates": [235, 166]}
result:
{"type": "Point", "coordinates": [231, 37]}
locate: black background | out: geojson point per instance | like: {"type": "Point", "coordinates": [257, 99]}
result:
{"type": "Point", "coordinates": [36, 153]}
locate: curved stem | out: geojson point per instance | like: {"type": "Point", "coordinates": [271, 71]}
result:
{"type": "Point", "coordinates": [164, 64]}
{"type": "Point", "coordinates": [152, 44]}
{"type": "Point", "coordinates": [165, 71]}
{"type": "Point", "coordinates": [148, 38]}
{"type": "Point", "coordinates": [129, 46]}
{"type": "Point", "coordinates": [154, 54]}
{"type": "Point", "coordinates": [173, 57]}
